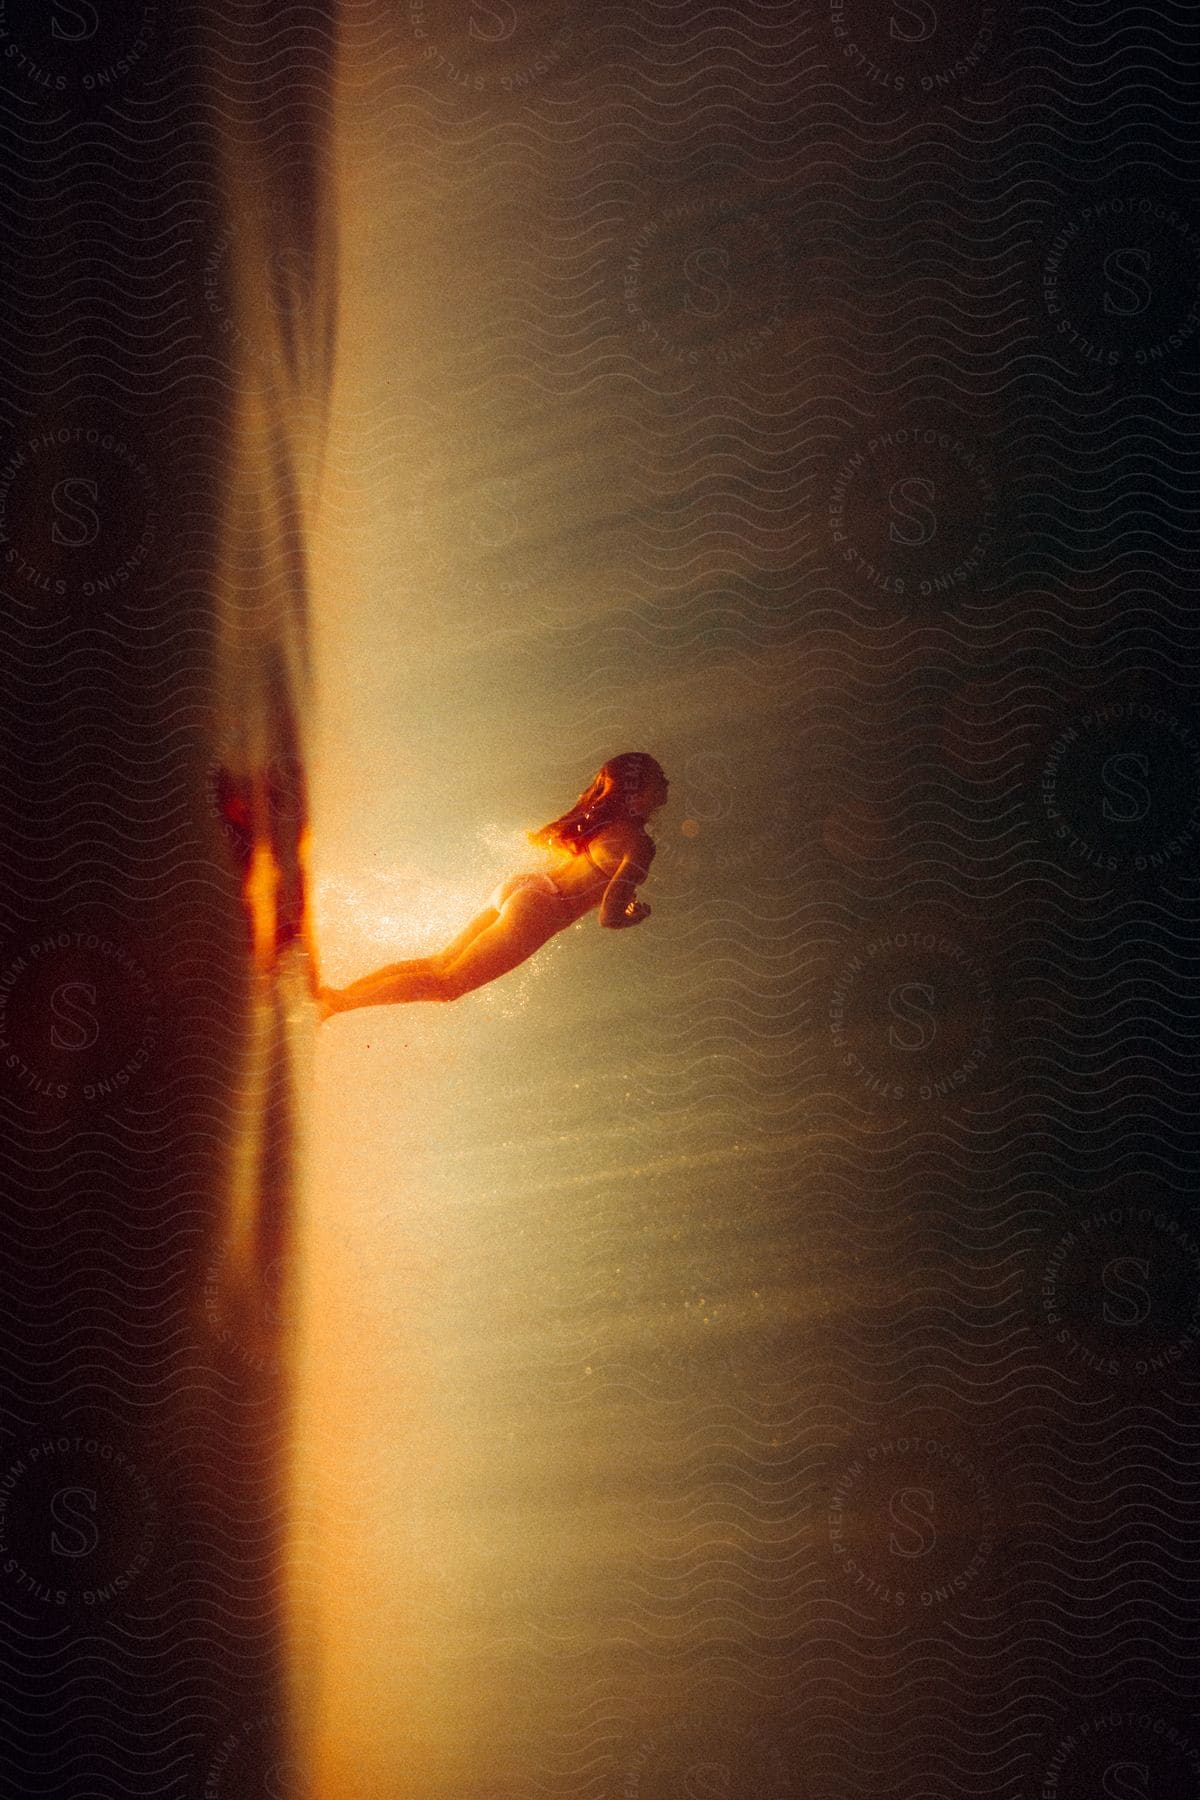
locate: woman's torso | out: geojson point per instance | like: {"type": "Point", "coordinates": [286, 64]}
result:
{"type": "Point", "coordinates": [581, 876]}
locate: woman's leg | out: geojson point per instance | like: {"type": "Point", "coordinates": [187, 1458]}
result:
{"type": "Point", "coordinates": [525, 923]}
{"type": "Point", "coordinates": [379, 988]}
{"type": "Point", "coordinates": [457, 945]}
{"type": "Point", "coordinates": [389, 984]}
{"type": "Point", "coordinates": [411, 965]}
{"type": "Point", "coordinates": [522, 926]}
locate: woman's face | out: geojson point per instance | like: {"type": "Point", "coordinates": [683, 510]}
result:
{"type": "Point", "coordinates": [650, 797]}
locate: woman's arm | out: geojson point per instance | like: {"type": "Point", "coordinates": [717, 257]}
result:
{"type": "Point", "coordinates": [634, 867]}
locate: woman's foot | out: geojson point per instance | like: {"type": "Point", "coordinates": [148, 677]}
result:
{"type": "Point", "coordinates": [327, 1002]}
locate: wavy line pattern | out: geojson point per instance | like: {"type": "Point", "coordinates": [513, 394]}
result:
{"type": "Point", "coordinates": [810, 393]}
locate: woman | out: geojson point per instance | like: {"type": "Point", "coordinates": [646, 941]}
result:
{"type": "Point", "coordinates": [606, 853]}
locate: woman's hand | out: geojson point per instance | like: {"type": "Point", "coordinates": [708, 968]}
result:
{"type": "Point", "coordinates": [620, 905]}
{"type": "Point", "coordinates": [634, 913]}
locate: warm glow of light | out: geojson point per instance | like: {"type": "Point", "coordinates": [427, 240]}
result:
{"type": "Point", "coordinates": [308, 932]}
{"type": "Point", "coordinates": [261, 893]}
{"type": "Point", "coordinates": [380, 915]}
{"type": "Point", "coordinates": [504, 1289]}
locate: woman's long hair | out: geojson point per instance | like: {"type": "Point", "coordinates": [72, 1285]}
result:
{"type": "Point", "coordinates": [606, 799]}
